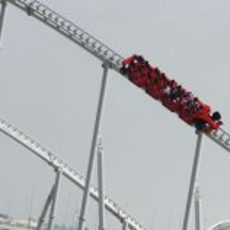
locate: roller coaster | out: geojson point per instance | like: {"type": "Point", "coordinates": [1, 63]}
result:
{"type": "Point", "coordinates": [136, 69]}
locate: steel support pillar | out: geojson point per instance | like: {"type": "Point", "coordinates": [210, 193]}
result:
{"type": "Point", "coordinates": [45, 209]}
{"type": "Point", "coordinates": [124, 225]}
{"type": "Point", "coordinates": [100, 185]}
{"type": "Point", "coordinates": [54, 200]}
{"type": "Point", "coordinates": [192, 181]}
{"type": "Point", "coordinates": [2, 16]}
{"type": "Point", "coordinates": [93, 147]}
{"type": "Point", "coordinates": [197, 209]}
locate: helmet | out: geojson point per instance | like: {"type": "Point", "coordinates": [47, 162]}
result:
{"type": "Point", "coordinates": [216, 116]}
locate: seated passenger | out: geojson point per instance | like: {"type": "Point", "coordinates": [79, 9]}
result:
{"type": "Point", "coordinates": [176, 93]}
{"type": "Point", "coordinates": [194, 105]}
{"type": "Point", "coordinates": [200, 125]}
{"type": "Point", "coordinates": [188, 97]}
{"type": "Point", "coordinates": [157, 72]}
{"type": "Point", "coordinates": [207, 123]}
{"type": "Point", "coordinates": [145, 63]}
{"type": "Point", "coordinates": [173, 83]}
{"type": "Point", "coordinates": [197, 104]}
{"type": "Point", "coordinates": [167, 91]}
{"type": "Point", "coordinates": [150, 73]}
{"type": "Point", "coordinates": [163, 76]}
{"type": "Point", "coordinates": [216, 116]}
{"type": "Point", "coordinates": [140, 58]}
{"type": "Point", "coordinates": [143, 71]}
{"type": "Point", "coordinates": [128, 60]}
{"type": "Point", "coordinates": [161, 84]}
{"type": "Point", "coordinates": [123, 70]}
{"type": "Point", "coordinates": [156, 77]}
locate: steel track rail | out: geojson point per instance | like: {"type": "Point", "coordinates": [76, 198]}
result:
{"type": "Point", "coordinates": [221, 137]}
{"type": "Point", "coordinates": [70, 31]}
{"type": "Point", "coordinates": [92, 45]}
{"type": "Point", "coordinates": [52, 160]}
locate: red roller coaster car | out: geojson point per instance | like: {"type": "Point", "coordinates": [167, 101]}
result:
{"type": "Point", "coordinates": [172, 95]}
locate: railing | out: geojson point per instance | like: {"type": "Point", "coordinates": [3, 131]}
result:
{"type": "Point", "coordinates": [71, 31]}
{"type": "Point", "coordinates": [67, 170]}
{"type": "Point", "coordinates": [221, 137]}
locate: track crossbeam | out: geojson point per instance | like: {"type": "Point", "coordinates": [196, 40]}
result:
{"type": "Point", "coordinates": [71, 31]}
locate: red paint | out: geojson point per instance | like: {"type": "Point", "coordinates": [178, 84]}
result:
{"type": "Point", "coordinates": [161, 88]}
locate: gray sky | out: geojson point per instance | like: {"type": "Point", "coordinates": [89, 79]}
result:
{"type": "Point", "coordinates": [49, 89]}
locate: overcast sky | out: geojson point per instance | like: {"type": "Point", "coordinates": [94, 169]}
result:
{"type": "Point", "coordinates": [49, 89]}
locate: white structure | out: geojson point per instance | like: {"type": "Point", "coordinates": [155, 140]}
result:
{"type": "Point", "coordinates": [222, 225]}
{"type": "Point", "coordinates": [18, 224]}
{"type": "Point", "coordinates": [110, 60]}
{"type": "Point", "coordinates": [198, 214]}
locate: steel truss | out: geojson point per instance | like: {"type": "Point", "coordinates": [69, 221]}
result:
{"type": "Point", "coordinates": [110, 59]}
{"type": "Point", "coordinates": [91, 44]}
{"type": "Point", "coordinates": [52, 160]}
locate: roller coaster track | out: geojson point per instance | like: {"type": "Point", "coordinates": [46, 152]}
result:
{"type": "Point", "coordinates": [221, 137]}
{"type": "Point", "coordinates": [50, 158]}
{"type": "Point", "coordinates": [71, 31]}
{"type": "Point", "coordinates": [105, 54]}
{"type": "Point", "coordinates": [92, 45]}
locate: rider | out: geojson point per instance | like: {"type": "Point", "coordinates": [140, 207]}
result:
{"type": "Point", "coordinates": [216, 116]}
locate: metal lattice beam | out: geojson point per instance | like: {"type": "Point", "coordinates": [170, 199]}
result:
{"type": "Point", "coordinates": [67, 171]}
{"type": "Point", "coordinates": [70, 31]}
{"type": "Point", "coordinates": [90, 44]}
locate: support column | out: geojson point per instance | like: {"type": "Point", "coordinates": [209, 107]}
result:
{"type": "Point", "coordinates": [54, 200]}
{"type": "Point", "coordinates": [124, 225]}
{"type": "Point", "coordinates": [93, 147]}
{"type": "Point", "coordinates": [100, 185]}
{"type": "Point", "coordinates": [45, 209]}
{"type": "Point", "coordinates": [192, 181]}
{"type": "Point", "coordinates": [197, 209]}
{"type": "Point", "coordinates": [2, 16]}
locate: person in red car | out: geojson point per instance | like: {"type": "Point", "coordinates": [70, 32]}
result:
{"type": "Point", "coordinates": [172, 95]}
{"type": "Point", "coordinates": [206, 122]}
{"type": "Point", "coordinates": [176, 93]}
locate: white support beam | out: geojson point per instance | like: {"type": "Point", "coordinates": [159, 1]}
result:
{"type": "Point", "coordinates": [124, 225]}
{"type": "Point", "coordinates": [221, 137]}
{"type": "Point", "coordinates": [93, 146]}
{"type": "Point", "coordinates": [54, 198]}
{"type": "Point", "coordinates": [91, 44]}
{"type": "Point", "coordinates": [71, 31]}
{"type": "Point", "coordinates": [100, 185]}
{"type": "Point", "coordinates": [2, 17]}
{"type": "Point", "coordinates": [192, 180]}
{"type": "Point", "coordinates": [70, 173]}
{"type": "Point", "coordinates": [197, 206]}
{"type": "Point", "coordinates": [45, 209]}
